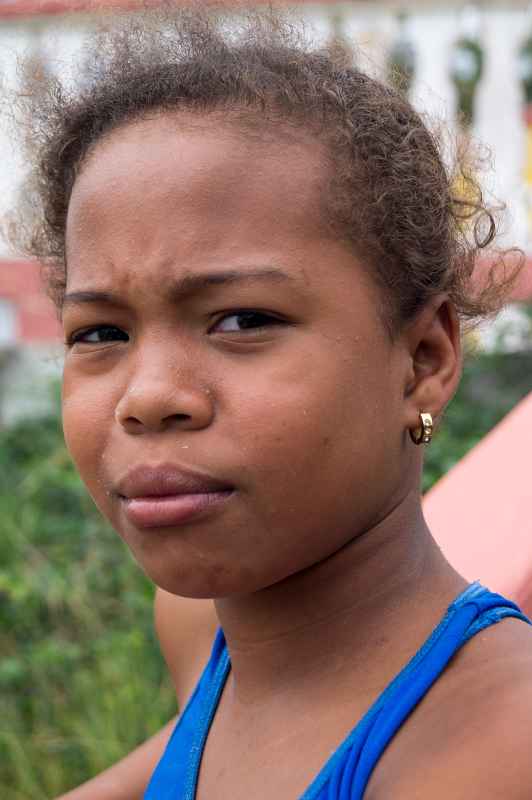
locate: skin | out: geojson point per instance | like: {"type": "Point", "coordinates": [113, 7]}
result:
{"type": "Point", "coordinates": [324, 574]}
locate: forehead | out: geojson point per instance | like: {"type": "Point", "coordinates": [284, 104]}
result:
{"type": "Point", "coordinates": [171, 196]}
{"type": "Point", "coordinates": [189, 178]}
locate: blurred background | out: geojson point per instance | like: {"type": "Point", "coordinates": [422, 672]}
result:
{"type": "Point", "coordinates": [81, 678]}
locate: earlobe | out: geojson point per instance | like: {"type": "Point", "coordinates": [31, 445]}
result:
{"type": "Point", "coordinates": [434, 362]}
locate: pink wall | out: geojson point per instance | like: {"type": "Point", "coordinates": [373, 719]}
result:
{"type": "Point", "coordinates": [20, 284]}
{"type": "Point", "coordinates": [480, 512]}
{"type": "Point", "coordinates": [21, 8]}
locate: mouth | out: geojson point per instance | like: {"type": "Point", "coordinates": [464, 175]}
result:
{"type": "Point", "coordinates": [167, 495]}
{"type": "Point", "coordinates": [171, 510]}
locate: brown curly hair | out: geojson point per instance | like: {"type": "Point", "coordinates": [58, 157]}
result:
{"type": "Point", "coordinates": [390, 194]}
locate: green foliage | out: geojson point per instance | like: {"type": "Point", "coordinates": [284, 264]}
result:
{"type": "Point", "coordinates": [81, 677]}
{"type": "Point", "coordinates": [467, 66]}
{"type": "Point", "coordinates": [525, 68]}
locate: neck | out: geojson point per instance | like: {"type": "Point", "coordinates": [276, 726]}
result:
{"type": "Point", "coordinates": [382, 593]}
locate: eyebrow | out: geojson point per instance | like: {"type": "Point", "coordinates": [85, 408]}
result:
{"type": "Point", "coordinates": [185, 287]}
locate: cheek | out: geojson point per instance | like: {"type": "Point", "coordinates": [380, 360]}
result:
{"type": "Point", "coordinates": [307, 435]}
{"type": "Point", "coordinates": [317, 437]}
{"type": "Point", "coordinates": [335, 405]}
{"type": "Point", "coordinates": [85, 415]}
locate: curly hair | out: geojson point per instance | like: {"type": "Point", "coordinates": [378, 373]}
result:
{"type": "Point", "coordinates": [417, 224]}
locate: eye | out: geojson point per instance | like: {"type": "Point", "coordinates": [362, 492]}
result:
{"type": "Point", "coordinates": [245, 320]}
{"type": "Point", "coordinates": [99, 333]}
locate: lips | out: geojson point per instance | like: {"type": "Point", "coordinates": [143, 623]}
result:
{"type": "Point", "coordinates": [168, 495]}
{"type": "Point", "coordinates": [146, 481]}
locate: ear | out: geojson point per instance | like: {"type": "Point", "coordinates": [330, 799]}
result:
{"type": "Point", "coordinates": [434, 360]}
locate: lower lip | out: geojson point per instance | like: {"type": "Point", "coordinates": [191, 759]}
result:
{"type": "Point", "coordinates": [158, 512]}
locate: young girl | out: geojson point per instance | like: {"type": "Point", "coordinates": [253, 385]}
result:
{"type": "Point", "coordinates": [261, 272]}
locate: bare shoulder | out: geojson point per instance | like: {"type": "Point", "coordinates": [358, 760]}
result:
{"type": "Point", "coordinates": [185, 628]}
{"type": "Point", "coordinates": [471, 735]}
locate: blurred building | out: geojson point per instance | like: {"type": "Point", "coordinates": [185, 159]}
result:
{"type": "Point", "coordinates": [449, 58]}
{"type": "Point", "coordinates": [30, 342]}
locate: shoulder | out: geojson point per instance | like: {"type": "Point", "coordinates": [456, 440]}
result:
{"type": "Point", "coordinates": [470, 736]}
{"type": "Point", "coordinates": [185, 628]}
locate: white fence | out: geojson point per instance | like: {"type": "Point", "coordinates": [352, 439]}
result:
{"type": "Point", "coordinates": [372, 29]}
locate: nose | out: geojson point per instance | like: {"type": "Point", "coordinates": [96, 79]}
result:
{"type": "Point", "coordinates": [152, 405]}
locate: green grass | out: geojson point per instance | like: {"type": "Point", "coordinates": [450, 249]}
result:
{"type": "Point", "coordinates": [82, 680]}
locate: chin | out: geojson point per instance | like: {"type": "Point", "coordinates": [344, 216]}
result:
{"type": "Point", "coordinates": [181, 567]}
{"type": "Point", "coordinates": [195, 580]}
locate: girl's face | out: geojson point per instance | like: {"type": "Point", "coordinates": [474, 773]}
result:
{"type": "Point", "coordinates": [218, 330]}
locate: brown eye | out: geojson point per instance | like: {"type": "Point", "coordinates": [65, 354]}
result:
{"type": "Point", "coordinates": [98, 335]}
{"type": "Point", "coordinates": [244, 321]}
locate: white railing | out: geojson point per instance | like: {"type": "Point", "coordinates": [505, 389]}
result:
{"type": "Point", "coordinates": [432, 31]}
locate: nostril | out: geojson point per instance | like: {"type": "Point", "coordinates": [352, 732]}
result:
{"type": "Point", "coordinates": [159, 406]}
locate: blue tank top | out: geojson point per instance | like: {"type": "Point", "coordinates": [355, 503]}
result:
{"type": "Point", "coordinates": [346, 773]}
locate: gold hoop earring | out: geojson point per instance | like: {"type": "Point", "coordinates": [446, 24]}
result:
{"type": "Point", "coordinates": [423, 434]}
